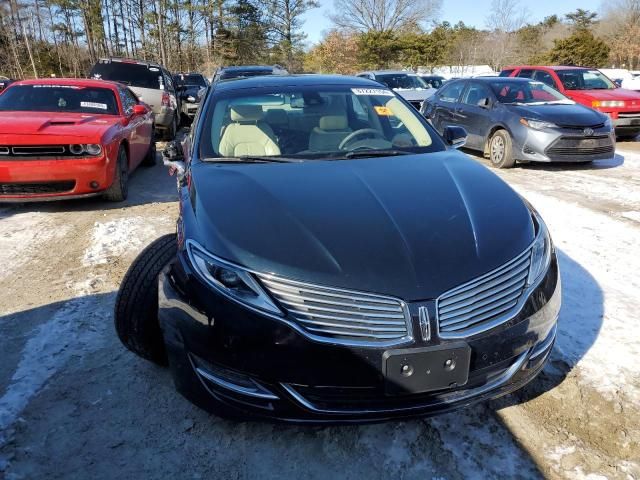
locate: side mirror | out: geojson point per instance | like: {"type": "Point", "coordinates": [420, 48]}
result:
{"type": "Point", "coordinates": [618, 83]}
{"type": "Point", "coordinates": [455, 137]}
{"type": "Point", "coordinates": [484, 102]}
{"type": "Point", "coordinates": [140, 110]}
{"type": "Point", "coordinates": [173, 157]}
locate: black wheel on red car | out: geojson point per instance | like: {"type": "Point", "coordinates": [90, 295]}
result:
{"type": "Point", "coordinates": [150, 157]}
{"type": "Point", "coordinates": [136, 308]}
{"type": "Point", "coordinates": [500, 150]}
{"type": "Point", "coordinates": [119, 189]}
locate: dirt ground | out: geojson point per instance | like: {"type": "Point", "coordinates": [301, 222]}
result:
{"type": "Point", "coordinates": [75, 404]}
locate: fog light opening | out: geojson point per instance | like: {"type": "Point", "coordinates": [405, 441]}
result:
{"type": "Point", "coordinates": [94, 185]}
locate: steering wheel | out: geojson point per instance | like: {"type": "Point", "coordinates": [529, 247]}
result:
{"type": "Point", "coordinates": [370, 132]}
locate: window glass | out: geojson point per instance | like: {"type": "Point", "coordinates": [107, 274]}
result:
{"type": "Point", "coordinates": [402, 81]}
{"type": "Point", "coordinates": [546, 78]}
{"type": "Point", "coordinates": [531, 92]}
{"type": "Point", "coordinates": [581, 79]}
{"type": "Point", "coordinates": [475, 93]}
{"type": "Point", "coordinates": [132, 74]}
{"type": "Point", "coordinates": [506, 73]}
{"type": "Point", "coordinates": [312, 123]}
{"type": "Point", "coordinates": [128, 100]}
{"type": "Point", "coordinates": [451, 93]}
{"type": "Point", "coordinates": [59, 98]}
{"type": "Point", "coordinates": [526, 73]}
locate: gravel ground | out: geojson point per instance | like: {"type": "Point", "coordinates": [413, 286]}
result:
{"type": "Point", "coordinates": [75, 404]}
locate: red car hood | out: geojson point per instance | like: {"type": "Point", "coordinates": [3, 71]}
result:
{"type": "Point", "coordinates": [617, 94]}
{"type": "Point", "coordinates": [17, 124]}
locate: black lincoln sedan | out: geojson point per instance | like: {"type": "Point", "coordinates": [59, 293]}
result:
{"type": "Point", "coordinates": [337, 260]}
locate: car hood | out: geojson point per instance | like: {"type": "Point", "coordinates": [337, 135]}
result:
{"type": "Point", "coordinates": [614, 94]}
{"type": "Point", "coordinates": [411, 226]}
{"type": "Point", "coordinates": [560, 114]}
{"type": "Point", "coordinates": [55, 124]}
{"type": "Point", "coordinates": [415, 94]}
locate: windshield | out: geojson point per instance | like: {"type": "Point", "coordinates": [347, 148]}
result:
{"type": "Point", "coordinates": [435, 82]}
{"type": "Point", "coordinates": [313, 122]}
{"type": "Point", "coordinates": [581, 79]}
{"type": "Point", "coordinates": [132, 74]}
{"type": "Point", "coordinates": [529, 93]}
{"type": "Point", "coordinates": [401, 81]}
{"type": "Point", "coordinates": [190, 79]}
{"type": "Point", "coordinates": [59, 98]}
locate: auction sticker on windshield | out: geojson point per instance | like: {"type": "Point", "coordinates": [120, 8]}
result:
{"type": "Point", "coordinates": [373, 92]}
{"type": "Point", "coordinates": [101, 106]}
{"type": "Point", "coordinates": [383, 111]}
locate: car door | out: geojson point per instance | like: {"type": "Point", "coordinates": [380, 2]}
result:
{"type": "Point", "coordinates": [136, 128]}
{"type": "Point", "coordinates": [445, 102]}
{"type": "Point", "coordinates": [474, 113]}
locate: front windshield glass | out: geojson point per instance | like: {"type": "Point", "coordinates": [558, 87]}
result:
{"type": "Point", "coordinates": [529, 93]}
{"type": "Point", "coordinates": [401, 81]}
{"type": "Point", "coordinates": [313, 122]}
{"type": "Point", "coordinates": [227, 75]}
{"type": "Point", "coordinates": [190, 79]}
{"type": "Point", "coordinates": [133, 74]}
{"type": "Point", "coordinates": [59, 98]}
{"type": "Point", "coordinates": [580, 79]}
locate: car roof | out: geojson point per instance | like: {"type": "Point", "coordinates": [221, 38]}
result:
{"type": "Point", "coordinates": [294, 80]}
{"type": "Point", "coordinates": [549, 67]}
{"type": "Point", "coordinates": [247, 68]}
{"type": "Point", "coordinates": [390, 72]}
{"type": "Point", "coordinates": [495, 79]}
{"type": "Point", "coordinates": [81, 82]}
{"type": "Point", "coordinates": [129, 60]}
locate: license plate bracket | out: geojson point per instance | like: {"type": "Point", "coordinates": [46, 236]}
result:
{"type": "Point", "coordinates": [426, 369]}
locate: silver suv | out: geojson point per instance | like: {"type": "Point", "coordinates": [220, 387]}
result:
{"type": "Point", "coordinates": [152, 83]}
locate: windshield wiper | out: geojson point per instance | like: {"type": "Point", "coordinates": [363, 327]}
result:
{"type": "Point", "coordinates": [376, 153]}
{"type": "Point", "coordinates": [250, 159]}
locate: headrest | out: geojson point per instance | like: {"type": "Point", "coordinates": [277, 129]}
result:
{"type": "Point", "coordinates": [276, 116]}
{"type": "Point", "coordinates": [246, 113]}
{"type": "Point", "coordinates": [333, 122]}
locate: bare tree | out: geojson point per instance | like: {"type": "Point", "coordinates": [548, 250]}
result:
{"type": "Point", "coordinates": [504, 19]}
{"type": "Point", "coordinates": [383, 15]}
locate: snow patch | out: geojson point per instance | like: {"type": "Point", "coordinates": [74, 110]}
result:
{"type": "Point", "coordinates": [598, 327]}
{"type": "Point", "coordinates": [23, 234]}
{"type": "Point", "coordinates": [117, 237]}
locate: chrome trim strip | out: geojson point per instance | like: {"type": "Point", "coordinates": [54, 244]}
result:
{"type": "Point", "coordinates": [449, 398]}
{"type": "Point", "coordinates": [237, 388]}
{"type": "Point", "coordinates": [504, 317]}
{"type": "Point", "coordinates": [546, 343]}
{"type": "Point", "coordinates": [311, 319]}
{"type": "Point", "coordinates": [4, 150]}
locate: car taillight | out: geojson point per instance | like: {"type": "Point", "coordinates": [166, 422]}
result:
{"type": "Point", "coordinates": [165, 99]}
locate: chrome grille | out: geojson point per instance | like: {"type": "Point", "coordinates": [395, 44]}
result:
{"type": "Point", "coordinates": [485, 302]}
{"type": "Point", "coordinates": [342, 316]}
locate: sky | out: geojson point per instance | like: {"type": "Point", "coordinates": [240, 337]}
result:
{"type": "Point", "coordinates": [471, 12]}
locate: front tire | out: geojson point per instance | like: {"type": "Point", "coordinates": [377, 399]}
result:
{"type": "Point", "coordinates": [136, 308]}
{"type": "Point", "coordinates": [119, 189]}
{"type": "Point", "coordinates": [501, 150]}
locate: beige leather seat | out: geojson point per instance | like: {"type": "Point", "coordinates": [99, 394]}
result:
{"type": "Point", "coordinates": [247, 134]}
{"type": "Point", "coordinates": [326, 137]}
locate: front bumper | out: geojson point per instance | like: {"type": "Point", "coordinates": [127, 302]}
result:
{"type": "Point", "coordinates": [24, 180]}
{"type": "Point", "coordinates": [233, 361]}
{"type": "Point", "coordinates": [564, 145]}
{"type": "Point", "coordinates": [628, 124]}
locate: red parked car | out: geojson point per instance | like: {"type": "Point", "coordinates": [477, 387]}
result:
{"type": "Point", "coordinates": [592, 88]}
{"type": "Point", "coordinates": [64, 138]}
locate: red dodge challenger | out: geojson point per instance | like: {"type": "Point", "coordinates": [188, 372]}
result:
{"type": "Point", "coordinates": [66, 138]}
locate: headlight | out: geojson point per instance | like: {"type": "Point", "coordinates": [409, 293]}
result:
{"type": "Point", "coordinates": [93, 149]}
{"type": "Point", "coordinates": [540, 252]}
{"type": "Point", "coordinates": [537, 124]}
{"type": "Point", "coordinates": [191, 99]}
{"type": "Point", "coordinates": [230, 280]}
{"type": "Point", "coordinates": [607, 103]}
